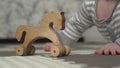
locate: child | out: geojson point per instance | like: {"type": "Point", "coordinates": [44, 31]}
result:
{"type": "Point", "coordinates": [105, 15]}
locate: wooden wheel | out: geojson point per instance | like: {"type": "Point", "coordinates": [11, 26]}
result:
{"type": "Point", "coordinates": [20, 51]}
{"type": "Point", "coordinates": [30, 50]}
{"type": "Point", "coordinates": [67, 50]}
{"type": "Point", "coordinates": [56, 51]}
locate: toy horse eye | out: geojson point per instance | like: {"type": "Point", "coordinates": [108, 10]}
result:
{"type": "Point", "coordinates": [62, 13]}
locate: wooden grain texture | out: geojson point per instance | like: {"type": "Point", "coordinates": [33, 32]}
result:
{"type": "Point", "coordinates": [28, 35]}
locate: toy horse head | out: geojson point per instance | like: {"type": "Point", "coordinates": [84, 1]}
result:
{"type": "Point", "coordinates": [56, 19]}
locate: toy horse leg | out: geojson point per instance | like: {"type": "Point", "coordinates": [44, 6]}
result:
{"type": "Point", "coordinates": [27, 48]}
{"type": "Point", "coordinates": [30, 50]}
{"type": "Point", "coordinates": [58, 49]}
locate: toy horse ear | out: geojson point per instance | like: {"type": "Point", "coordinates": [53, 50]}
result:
{"type": "Point", "coordinates": [62, 13]}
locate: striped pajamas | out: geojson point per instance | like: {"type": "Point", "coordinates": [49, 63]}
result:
{"type": "Point", "coordinates": [86, 18]}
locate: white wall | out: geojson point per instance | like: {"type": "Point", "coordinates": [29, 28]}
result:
{"type": "Point", "coordinates": [17, 12]}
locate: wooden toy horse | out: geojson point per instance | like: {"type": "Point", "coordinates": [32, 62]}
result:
{"type": "Point", "coordinates": [28, 35]}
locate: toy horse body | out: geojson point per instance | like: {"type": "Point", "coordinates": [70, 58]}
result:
{"type": "Point", "coordinates": [28, 35]}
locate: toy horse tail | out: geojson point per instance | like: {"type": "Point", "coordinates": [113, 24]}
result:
{"type": "Point", "coordinates": [21, 32]}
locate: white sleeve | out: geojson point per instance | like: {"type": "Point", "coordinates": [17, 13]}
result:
{"type": "Point", "coordinates": [65, 39]}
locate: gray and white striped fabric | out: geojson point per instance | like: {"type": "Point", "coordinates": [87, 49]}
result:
{"type": "Point", "coordinates": [86, 17]}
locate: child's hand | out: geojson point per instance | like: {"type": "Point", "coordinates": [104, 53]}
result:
{"type": "Point", "coordinates": [109, 49]}
{"type": "Point", "coordinates": [47, 47]}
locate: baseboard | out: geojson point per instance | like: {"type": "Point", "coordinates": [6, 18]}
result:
{"type": "Point", "coordinates": [13, 40]}
{"type": "Point", "coordinates": [43, 40]}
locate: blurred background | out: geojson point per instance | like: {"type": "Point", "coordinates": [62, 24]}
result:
{"type": "Point", "coordinates": [14, 13]}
